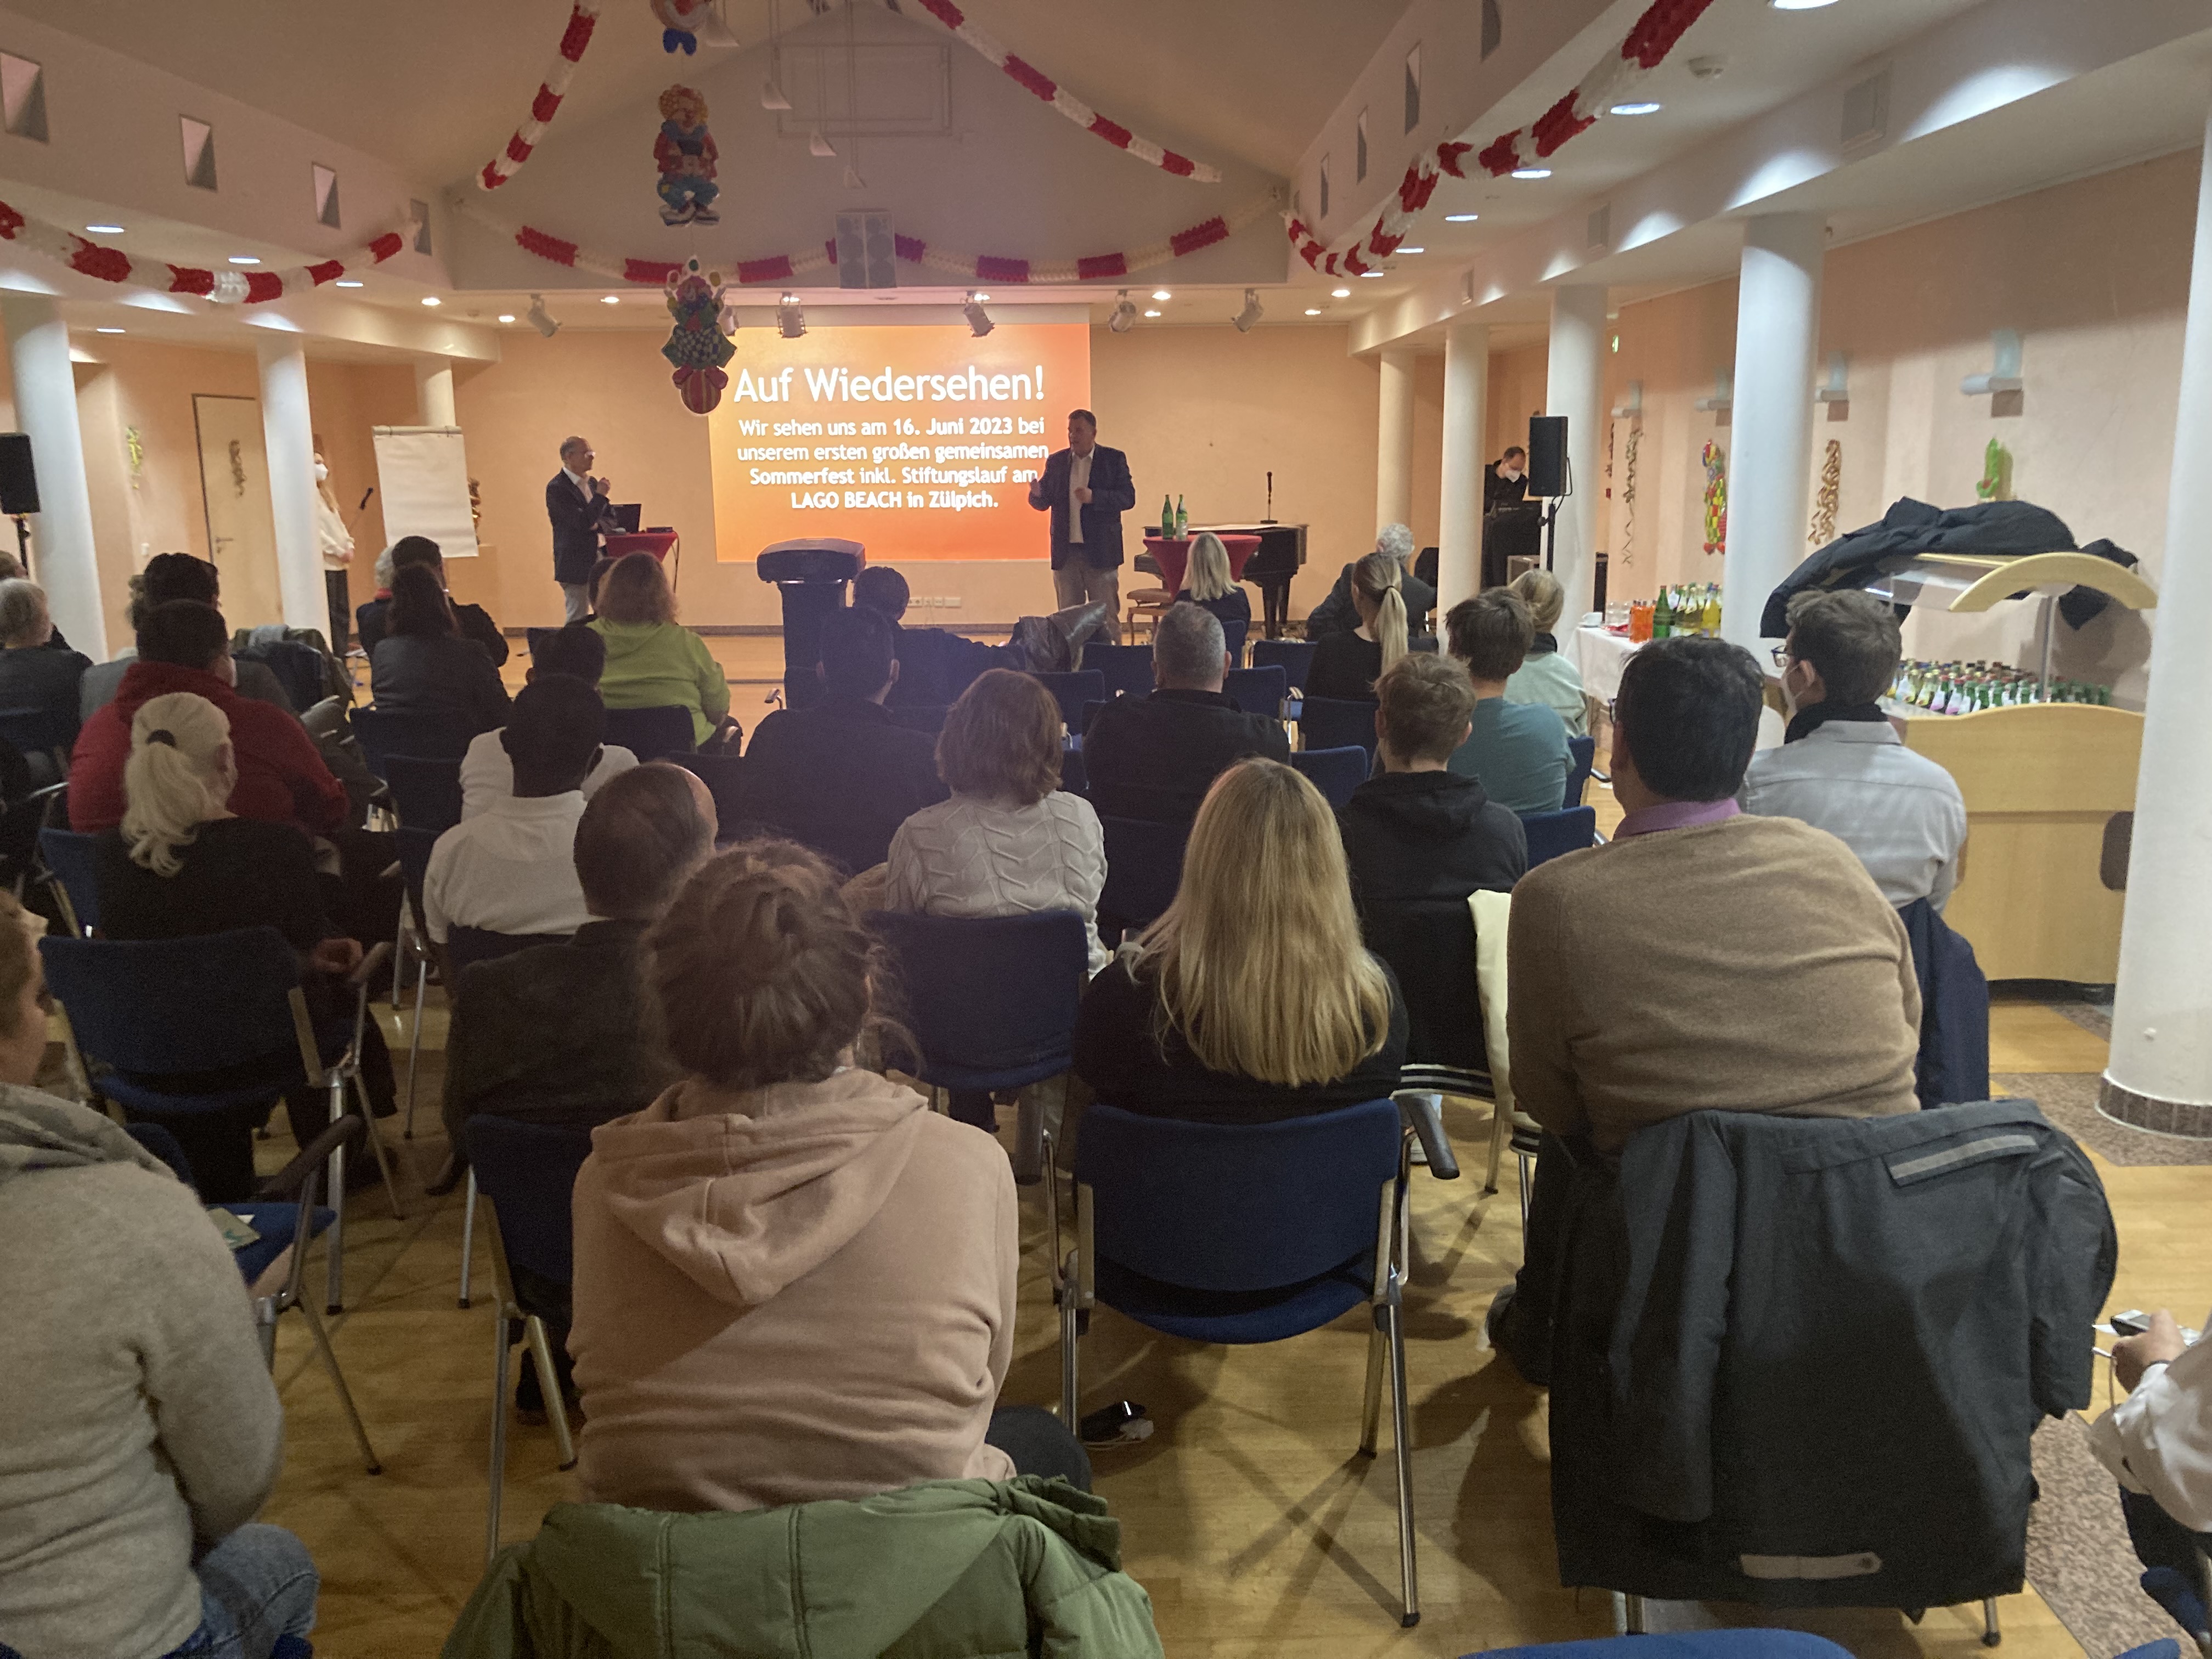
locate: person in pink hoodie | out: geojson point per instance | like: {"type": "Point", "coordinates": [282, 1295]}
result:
{"type": "Point", "coordinates": [794, 1281]}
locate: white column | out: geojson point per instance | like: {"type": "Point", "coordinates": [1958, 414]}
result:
{"type": "Point", "coordinates": [2159, 1073]}
{"type": "Point", "coordinates": [288, 434]}
{"type": "Point", "coordinates": [62, 557]}
{"type": "Point", "coordinates": [433, 392]}
{"type": "Point", "coordinates": [1394, 442]}
{"type": "Point", "coordinates": [1777, 328]}
{"type": "Point", "coordinates": [1574, 385]}
{"type": "Point", "coordinates": [1459, 536]}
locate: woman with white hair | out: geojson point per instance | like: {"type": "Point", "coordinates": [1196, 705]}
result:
{"type": "Point", "coordinates": [1208, 584]}
{"type": "Point", "coordinates": [1545, 677]}
{"type": "Point", "coordinates": [1340, 614]}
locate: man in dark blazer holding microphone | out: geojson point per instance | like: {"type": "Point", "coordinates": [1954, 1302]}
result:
{"type": "Point", "coordinates": [577, 504]}
{"type": "Point", "coordinates": [1086, 488]}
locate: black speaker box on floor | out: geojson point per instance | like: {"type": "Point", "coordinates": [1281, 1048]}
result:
{"type": "Point", "coordinates": [1547, 454]}
{"type": "Point", "coordinates": [19, 479]}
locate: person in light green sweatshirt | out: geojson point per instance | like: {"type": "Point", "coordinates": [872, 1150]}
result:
{"type": "Point", "coordinates": [1545, 677]}
{"type": "Point", "coordinates": [652, 661]}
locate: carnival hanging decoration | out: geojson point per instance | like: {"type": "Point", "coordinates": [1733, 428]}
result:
{"type": "Point", "coordinates": [684, 152]}
{"type": "Point", "coordinates": [1716, 461]}
{"type": "Point", "coordinates": [1830, 496]}
{"type": "Point", "coordinates": [249, 287]}
{"type": "Point", "coordinates": [1628, 494]}
{"type": "Point", "coordinates": [1609, 82]}
{"type": "Point", "coordinates": [582, 19]}
{"type": "Point", "coordinates": [680, 20]}
{"type": "Point", "coordinates": [1996, 484]}
{"type": "Point", "coordinates": [697, 345]}
{"type": "Point", "coordinates": [1036, 81]}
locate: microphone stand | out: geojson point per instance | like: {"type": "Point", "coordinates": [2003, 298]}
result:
{"type": "Point", "coordinates": [1268, 517]}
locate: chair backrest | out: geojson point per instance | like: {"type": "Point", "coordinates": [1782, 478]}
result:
{"type": "Point", "coordinates": [387, 731]}
{"type": "Point", "coordinates": [723, 776]}
{"type": "Point", "coordinates": [1143, 867]}
{"type": "Point", "coordinates": [661, 732]}
{"type": "Point", "coordinates": [1073, 690]}
{"type": "Point", "coordinates": [427, 793]}
{"type": "Point", "coordinates": [1127, 668]}
{"type": "Point", "coordinates": [466, 946]}
{"type": "Point", "coordinates": [74, 860]}
{"type": "Point", "coordinates": [923, 717]}
{"type": "Point", "coordinates": [1582, 756]}
{"type": "Point", "coordinates": [1430, 945]}
{"type": "Point", "coordinates": [1551, 834]}
{"type": "Point", "coordinates": [1293, 657]}
{"type": "Point", "coordinates": [1259, 691]}
{"type": "Point", "coordinates": [988, 994]}
{"type": "Point", "coordinates": [1335, 772]}
{"type": "Point", "coordinates": [168, 1007]}
{"type": "Point", "coordinates": [36, 730]}
{"type": "Point", "coordinates": [1338, 723]}
{"type": "Point", "coordinates": [533, 638]}
{"type": "Point", "coordinates": [1216, 1206]}
{"type": "Point", "coordinates": [298, 666]}
{"type": "Point", "coordinates": [1090, 713]}
{"type": "Point", "coordinates": [1232, 638]}
{"type": "Point", "coordinates": [528, 1171]}
{"type": "Point", "coordinates": [412, 848]}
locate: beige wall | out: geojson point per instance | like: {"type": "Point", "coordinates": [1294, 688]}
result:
{"type": "Point", "coordinates": [1517, 382]}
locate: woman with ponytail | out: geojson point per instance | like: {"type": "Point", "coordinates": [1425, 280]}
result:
{"type": "Point", "coordinates": [1348, 664]}
{"type": "Point", "coordinates": [794, 1281]}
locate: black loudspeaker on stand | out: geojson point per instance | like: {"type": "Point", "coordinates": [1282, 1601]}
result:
{"type": "Point", "coordinates": [19, 487]}
{"type": "Point", "coordinates": [1549, 475]}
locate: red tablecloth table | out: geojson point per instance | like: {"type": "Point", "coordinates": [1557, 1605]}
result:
{"type": "Point", "coordinates": [1174, 555]}
{"type": "Point", "coordinates": [659, 543]}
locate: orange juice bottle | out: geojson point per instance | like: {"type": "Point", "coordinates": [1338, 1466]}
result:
{"type": "Point", "coordinates": [1639, 621]}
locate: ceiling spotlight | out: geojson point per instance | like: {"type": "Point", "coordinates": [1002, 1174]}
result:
{"type": "Point", "coordinates": [105, 230]}
{"type": "Point", "coordinates": [979, 321]}
{"type": "Point", "coordinates": [540, 319]}
{"type": "Point", "coordinates": [1313, 311]}
{"type": "Point", "coordinates": [507, 316]}
{"type": "Point", "coordinates": [1634, 109]}
{"type": "Point", "coordinates": [1251, 313]}
{"type": "Point", "coordinates": [347, 282]}
{"type": "Point", "coordinates": [1162, 294]}
{"type": "Point", "coordinates": [790, 317]}
{"type": "Point", "coordinates": [611, 300]}
{"type": "Point", "coordinates": [1460, 218]}
{"type": "Point", "coordinates": [1152, 313]}
{"type": "Point", "coordinates": [1125, 313]}
{"type": "Point", "coordinates": [1532, 173]}
{"type": "Point", "coordinates": [107, 331]}
{"type": "Point", "coordinates": [245, 259]}
{"type": "Point", "coordinates": [432, 300]}
{"type": "Point", "coordinates": [1339, 293]}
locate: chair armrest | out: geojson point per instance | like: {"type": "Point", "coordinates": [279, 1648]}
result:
{"type": "Point", "coordinates": [284, 1186]}
{"type": "Point", "coordinates": [379, 954]}
{"type": "Point", "coordinates": [1422, 1112]}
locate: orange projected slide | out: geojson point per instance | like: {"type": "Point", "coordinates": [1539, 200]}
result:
{"type": "Point", "coordinates": [918, 442]}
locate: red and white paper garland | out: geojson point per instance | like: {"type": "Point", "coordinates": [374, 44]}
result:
{"type": "Point", "coordinates": [1609, 82]}
{"type": "Point", "coordinates": [249, 287]}
{"type": "Point", "coordinates": [550, 91]}
{"type": "Point", "coordinates": [982, 268]}
{"type": "Point", "coordinates": [1038, 82]}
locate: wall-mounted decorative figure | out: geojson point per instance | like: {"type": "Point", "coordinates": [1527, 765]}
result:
{"type": "Point", "coordinates": [696, 345]}
{"type": "Point", "coordinates": [1831, 490]}
{"type": "Point", "coordinates": [680, 20]}
{"type": "Point", "coordinates": [1996, 482]}
{"type": "Point", "coordinates": [684, 152]}
{"type": "Point", "coordinates": [1715, 460]}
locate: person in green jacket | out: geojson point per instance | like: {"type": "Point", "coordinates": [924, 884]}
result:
{"type": "Point", "coordinates": [652, 662]}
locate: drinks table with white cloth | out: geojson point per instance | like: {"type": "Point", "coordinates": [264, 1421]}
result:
{"type": "Point", "coordinates": [1599, 656]}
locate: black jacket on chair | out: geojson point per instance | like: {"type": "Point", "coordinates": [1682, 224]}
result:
{"type": "Point", "coordinates": [1337, 614]}
{"type": "Point", "coordinates": [579, 520]}
{"type": "Point", "coordinates": [1797, 1361]}
{"type": "Point", "coordinates": [1155, 756]}
{"type": "Point", "coordinates": [841, 776]}
{"type": "Point", "coordinates": [438, 674]}
{"type": "Point", "coordinates": [1113, 493]}
{"type": "Point", "coordinates": [1954, 1010]}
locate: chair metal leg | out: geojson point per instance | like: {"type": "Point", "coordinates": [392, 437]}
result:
{"type": "Point", "coordinates": [1525, 1161]}
{"type": "Point", "coordinates": [549, 1383]}
{"type": "Point", "coordinates": [264, 1328]}
{"type": "Point", "coordinates": [337, 1380]}
{"type": "Point", "coordinates": [399, 956]}
{"type": "Point", "coordinates": [334, 1268]}
{"type": "Point", "coordinates": [1991, 1634]}
{"type": "Point", "coordinates": [1370, 1410]}
{"type": "Point", "coordinates": [500, 1378]}
{"type": "Point", "coordinates": [1401, 1432]}
{"type": "Point", "coordinates": [1069, 1332]}
{"type": "Point", "coordinates": [468, 1237]}
{"type": "Point", "coordinates": [375, 1141]}
{"type": "Point", "coordinates": [1633, 1620]}
{"type": "Point", "coordinates": [415, 1043]}
{"type": "Point", "coordinates": [1501, 1133]}
{"type": "Point", "coordinates": [1028, 1133]}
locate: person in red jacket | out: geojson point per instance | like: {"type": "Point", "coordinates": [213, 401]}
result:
{"type": "Point", "coordinates": [185, 646]}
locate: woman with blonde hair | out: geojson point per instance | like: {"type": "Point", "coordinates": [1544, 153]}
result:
{"type": "Point", "coordinates": [1251, 999]}
{"type": "Point", "coordinates": [653, 662]}
{"type": "Point", "coordinates": [1547, 677]}
{"type": "Point", "coordinates": [1348, 664]}
{"type": "Point", "coordinates": [1207, 583]}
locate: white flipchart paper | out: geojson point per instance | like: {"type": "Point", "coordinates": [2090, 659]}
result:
{"type": "Point", "coordinates": [422, 479]}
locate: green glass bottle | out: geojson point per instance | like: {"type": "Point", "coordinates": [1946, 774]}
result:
{"type": "Point", "coordinates": [1183, 518]}
{"type": "Point", "coordinates": [1167, 518]}
{"type": "Point", "coordinates": [1662, 616]}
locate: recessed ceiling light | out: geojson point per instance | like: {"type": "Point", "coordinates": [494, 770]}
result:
{"type": "Point", "coordinates": [1460, 218]}
{"type": "Point", "coordinates": [107, 331]}
{"type": "Point", "coordinates": [1799, 5]}
{"type": "Point", "coordinates": [1532, 173]}
{"type": "Point", "coordinates": [244, 259]}
{"type": "Point", "coordinates": [105, 230]}
{"type": "Point", "coordinates": [610, 300]}
{"type": "Point", "coordinates": [507, 316]}
{"type": "Point", "coordinates": [1374, 273]}
{"type": "Point", "coordinates": [432, 300]}
{"type": "Point", "coordinates": [1151, 313]}
{"type": "Point", "coordinates": [1339, 293]}
{"type": "Point", "coordinates": [1413, 250]}
{"type": "Point", "coordinates": [1313, 311]}
{"type": "Point", "coordinates": [347, 282]}
{"type": "Point", "coordinates": [1162, 294]}
{"type": "Point", "coordinates": [1634, 109]}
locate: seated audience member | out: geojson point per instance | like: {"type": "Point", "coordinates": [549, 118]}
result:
{"type": "Point", "coordinates": [511, 868]}
{"type": "Point", "coordinates": [32, 676]}
{"type": "Point", "coordinates": [842, 774]}
{"type": "Point", "coordinates": [1545, 677]}
{"type": "Point", "coordinates": [1207, 583]}
{"type": "Point", "coordinates": [1338, 614]}
{"type": "Point", "coordinates": [1346, 665]}
{"type": "Point", "coordinates": [1517, 751]}
{"type": "Point", "coordinates": [2158, 1442]}
{"type": "Point", "coordinates": [1251, 999]}
{"type": "Point", "coordinates": [11, 570]}
{"type": "Point", "coordinates": [1843, 768]}
{"type": "Point", "coordinates": [183, 646]}
{"type": "Point", "coordinates": [578, 652]}
{"type": "Point", "coordinates": [372, 621]}
{"type": "Point", "coordinates": [182, 864]}
{"type": "Point", "coordinates": [422, 665]}
{"type": "Point", "coordinates": [142, 1430]}
{"type": "Point", "coordinates": [794, 1281]}
{"type": "Point", "coordinates": [1155, 756]}
{"type": "Point", "coordinates": [653, 662]}
{"type": "Point", "coordinates": [935, 665]}
{"type": "Point", "coordinates": [384, 570]}
{"type": "Point", "coordinates": [174, 576]}
{"type": "Point", "coordinates": [1010, 842]}
{"type": "Point", "coordinates": [1420, 830]}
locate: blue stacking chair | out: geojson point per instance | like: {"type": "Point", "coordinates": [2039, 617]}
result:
{"type": "Point", "coordinates": [1250, 1233]}
{"type": "Point", "coordinates": [1337, 723]}
{"type": "Point", "coordinates": [661, 732]}
{"type": "Point", "coordinates": [528, 1172]}
{"type": "Point", "coordinates": [162, 1015]}
{"type": "Point", "coordinates": [534, 639]}
{"type": "Point", "coordinates": [385, 731]}
{"type": "Point", "coordinates": [1581, 758]}
{"type": "Point", "coordinates": [991, 1001]}
{"type": "Point", "coordinates": [71, 860]}
{"type": "Point", "coordinates": [1258, 691]}
{"type": "Point", "coordinates": [723, 776]}
{"type": "Point", "coordinates": [43, 733]}
{"type": "Point", "coordinates": [1293, 657]}
{"type": "Point", "coordinates": [425, 794]}
{"type": "Point", "coordinates": [1685, 1644]}
{"type": "Point", "coordinates": [1073, 690]}
{"type": "Point", "coordinates": [1143, 867]}
{"type": "Point", "coordinates": [1335, 772]}
{"type": "Point", "coordinates": [1551, 834]}
{"type": "Point", "coordinates": [1127, 668]}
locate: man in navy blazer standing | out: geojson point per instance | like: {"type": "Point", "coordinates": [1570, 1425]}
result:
{"type": "Point", "coordinates": [1086, 488]}
{"type": "Point", "coordinates": [577, 504]}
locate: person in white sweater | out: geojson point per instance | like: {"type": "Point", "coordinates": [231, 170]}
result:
{"type": "Point", "coordinates": [1010, 842]}
{"type": "Point", "coordinates": [2158, 1441]}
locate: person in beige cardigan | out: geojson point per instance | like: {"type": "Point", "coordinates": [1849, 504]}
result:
{"type": "Point", "coordinates": [794, 1281]}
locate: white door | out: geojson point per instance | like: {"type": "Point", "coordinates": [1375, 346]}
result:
{"type": "Point", "coordinates": [241, 525]}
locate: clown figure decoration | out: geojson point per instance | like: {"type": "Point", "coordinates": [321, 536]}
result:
{"type": "Point", "coordinates": [696, 344]}
{"type": "Point", "coordinates": [684, 152]}
{"type": "Point", "coordinates": [680, 20]}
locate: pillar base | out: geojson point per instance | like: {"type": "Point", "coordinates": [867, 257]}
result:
{"type": "Point", "coordinates": [2165, 1117]}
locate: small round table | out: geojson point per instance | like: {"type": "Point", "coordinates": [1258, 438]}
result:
{"type": "Point", "coordinates": [1172, 554]}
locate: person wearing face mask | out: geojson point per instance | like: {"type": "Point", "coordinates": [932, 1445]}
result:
{"type": "Point", "coordinates": [1843, 768]}
{"type": "Point", "coordinates": [1505, 480]}
{"type": "Point", "coordinates": [335, 543]}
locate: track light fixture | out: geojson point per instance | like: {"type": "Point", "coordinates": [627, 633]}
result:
{"type": "Point", "coordinates": [790, 317]}
{"type": "Point", "coordinates": [1125, 313]}
{"type": "Point", "coordinates": [1251, 313]}
{"type": "Point", "coordinates": [540, 319]}
{"type": "Point", "coordinates": [979, 321]}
